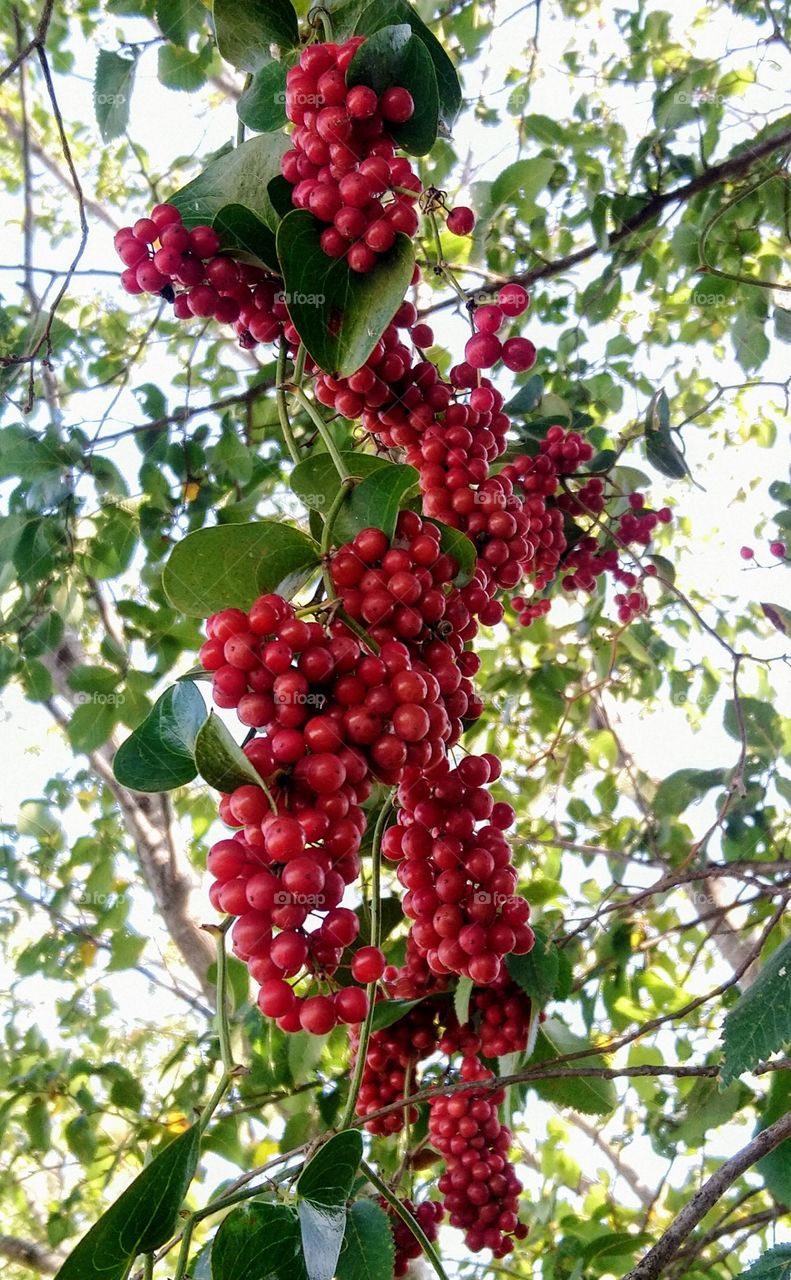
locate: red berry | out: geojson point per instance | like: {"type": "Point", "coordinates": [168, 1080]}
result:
{"type": "Point", "coordinates": [461, 220]}
{"type": "Point", "coordinates": [368, 964]}
{"type": "Point", "coordinates": [397, 105]}
{"type": "Point", "coordinates": [519, 354]}
{"type": "Point", "coordinates": [513, 299]}
{"type": "Point", "coordinates": [483, 350]}
{"type": "Point", "coordinates": [361, 102]}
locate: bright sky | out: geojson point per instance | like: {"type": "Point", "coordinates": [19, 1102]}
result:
{"type": "Point", "coordinates": [164, 123]}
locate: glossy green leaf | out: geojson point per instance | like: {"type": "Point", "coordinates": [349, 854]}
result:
{"type": "Point", "coordinates": [395, 56]}
{"type": "Point", "coordinates": [220, 760]}
{"type": "Point", "coordinates": [327, 1178]}
{"type": "Point", "coordinates": [243, 233]}
{"type": "Point", "coordinates": [375, 502]}
{"type": "Point", "coordinates": [323, 1228]}
{"type": "Point", "coordinates": [183, 70]}
{"type": "Point", "coordinates": [528, 397]}
{"type": "Point", "coordinates": [523, 179]}
{"type": "Point", "coordinates": [383, 13]}
{"type": "Point", "coordinates": [158, 755]}
{"type": "Point", "coordinates": [759, 1024]}
{"type": "Point", "coordinates": [247, 29]}
{"type": "Point", "coordinates": [239, 176]}
{"type": "Point", "coordinates": [230, 565]}
{"type": "Point", "coordinates": [262, 105]}
{"type": "Point", "coordinates": [141, 1219]}
{"type": "Point", "coordinates": [258, 1242]}
{"type": "Point", "coordinates": [339, 314]}
{"type": "Point", "coordinates": [389, 1011]}
{"type": "Point", "coordinates": [176, 20]}
{"type": "Point", "coordinates": [112, 92]}
{"type": "Point", "coordinates": [587, 1094]}
{"type": "Point", "coordinates": [315, 481]}
{"type": "Point", "coordinates": [368, 1252]}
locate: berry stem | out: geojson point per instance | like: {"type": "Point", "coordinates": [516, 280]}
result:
{"type": "Point", "coordinates": [321, 427]}
{"type": "Point", "coordinates": [148, 1266]}
{"type": "Point", "coordinates": [299, 364]}
{"type": "Point", "coordinates": [240, 130]}
{"type": "Point", "coordinates": [446, 272]}
{"type": "Point", "coordinates": [376, 929]}
{"type": "Point", "coordinates": [324, 18]}
{"type": "Point", "coordinates": [282, 404]}
{"type": "Point", "coordinates": [347, 485]}
{"type": "Point", "coordinates": [406, 1217]}
{"type": "Point", "coordinates": [223, 1026]}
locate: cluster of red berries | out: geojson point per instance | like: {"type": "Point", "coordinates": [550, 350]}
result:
{"type": "Point", "coordinates": [392, 1054]}
{"type": "Point", "coordinates": [455, 863]}
{"type": "Point", "coordinates": [342, 163]}
{"type": "Point", "coordinates": [499, 1022]}
{"type": "Point", "coordinates": [484, 349]}
{"type": "Point", "coordinates": [429, 1215]}
{"type": "Point", "coordinates": [187, 269]}
{"type": "Point", "coordinates": [776, 549]}
{"type": "Point", "coordinates": [479, 1186]}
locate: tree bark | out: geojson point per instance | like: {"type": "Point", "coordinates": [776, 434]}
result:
{"type": "Point", "coordinates": [28, 1254]}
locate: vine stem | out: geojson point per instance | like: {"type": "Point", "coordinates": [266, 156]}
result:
{"type": "Point", "coordinates": [376, 930]}
{"type": "Point", "coordinates": [406, 1217]}
{"type": "Point", "coordinates": [299, 364]}
{"type": "Point", "coordinates": [347, 484]}
{"type": "Point", "coordinates": [240, 131]}
{"type": "Point", "coordinates": [148, 1267]}
{"type": "Point", "coordinates": [282, 405]}
{"type": "Point", "coordinates": [321, 427]}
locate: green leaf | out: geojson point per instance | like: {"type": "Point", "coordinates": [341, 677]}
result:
{"type": "Point", "coordinates": [183, 70]}
{"type": "Point", "coordinates": [125, 951]}
{"type": "Point", "coordinates": [258, 1242]}
{"type": "Point", "coordinates": [368, 1252]}
{"type": "Point", "coordinates": [775, 1168]}
{"type": "Point", "coordinates": [528, 397]}
{"type": "Point", "coordinates": [775, 1264]}
{"type": "Point", "coordinates": [661, 449]}
{"type": "Point", "coordinates": [779, 617]}
{"type": "Point", "coordinates": [242, 231]}
{"type": "Point", "coordinates": [523, 178]}
{"type": "Point", "coordinates": [760, 1022]}
{"type": "Point", "coordinates": [36, 680]}
{"type": "Point", "coordinates": [339, 314]}
{"type": "Point", "coordinates": [762, 726]}
{"type": "Point", "coordinates": [707, 1107]}
{"type": "Point", "coordinates": [389, 1011]}
{"type": "Point", "coordinates": [327, 1178]}
{"type": "Point", "coordinates": [220, 760]}
{"type": "Point", "coordinates": [584, 1093]}
{"type": "Point", "coordinates": [239, 176]}
{"type": "Point", "coordinates": [232, 564]}
{"type": "Point", "coordinates": [316, 483]}
{"type": "Point", "coordinates": [375, 502]}
{"type": "Point", "coordinates": [394, 56]}
{"type": "Point", "coordinates": [457, 544]}
{"type": "Point", "coordinates": [323, 1229]}
{"type": "Point", "coordinates": [37, 1125]}
{"type": "Point", "coordinates": [383, 13]}
{"type": "Point", "coordinates": [91, 725]}
{"type": "Point", "coordinates": [262, 106]}
{"type": "Point", "coordinates": [80, 1135]}
{"type": "Point", "coordinates": [614, 1244]}
{"type": "Point", "coordinates": [158, 755]}
{"type": "Point", "coordinates": [683, 787]}
{"type": "Point", "coordinates": [246, 30]}
{"type": "Point", "coordinates": [461, 1000]}
{"type": "Point", "coordinates": [112, 92]}
{"type": "Point", "coordinates": [538, 972]}
{"type": "Point", "coordinates": [175, 20]}
{"type": "Point", "coordinates": [142, 1218]}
